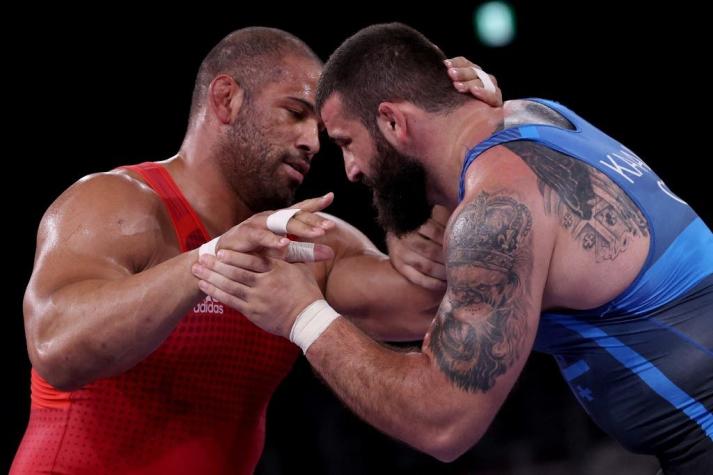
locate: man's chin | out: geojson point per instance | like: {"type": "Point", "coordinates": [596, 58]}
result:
{"type": "Point", "coordinates": [276, 201]}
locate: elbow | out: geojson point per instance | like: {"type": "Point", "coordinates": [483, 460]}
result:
{"type": "Point", "coordinates": [49, 348]}
{"type": "Point", "coordinates": [52, 364]}
{"type": "Point", "coordinates": [448, 443]}
{"type": "Point", "coordinates": [446, 454]}
{"type": "Point", "coordinates": [50, 358]}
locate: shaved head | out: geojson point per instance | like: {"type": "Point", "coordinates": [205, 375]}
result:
{"type": "Point", "coordinates": [252, 56]}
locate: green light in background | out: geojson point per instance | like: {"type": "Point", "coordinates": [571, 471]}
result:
{"type": "Point", "coordinates": [494, 23]}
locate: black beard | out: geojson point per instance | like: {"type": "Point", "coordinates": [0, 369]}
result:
{"type": "Point", "coordinates": [399, 188]}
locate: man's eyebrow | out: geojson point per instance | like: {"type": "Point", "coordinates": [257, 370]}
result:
{"type": "Point", "coordinates": [305, 103]}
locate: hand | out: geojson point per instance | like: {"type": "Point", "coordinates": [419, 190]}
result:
{"type": "Point", "coordinates": [269, 292]}
{"type": "Point", "coordinates": [465, 80]}
{"type": "Point", "coordinates": [418, 256]}
{"type": "Point", "coordinates": [253, 235]}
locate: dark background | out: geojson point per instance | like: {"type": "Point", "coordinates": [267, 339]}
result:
{"type": "Point", "coordinates": [93, 89]}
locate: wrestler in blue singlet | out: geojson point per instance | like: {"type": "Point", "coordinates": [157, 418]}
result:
{"type": "Point", "coordinates": [642, 364]}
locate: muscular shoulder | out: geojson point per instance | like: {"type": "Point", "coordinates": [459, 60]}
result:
{"type": "Point", "coordinates": [110, 212]}
{"type": "Point", "coordinates": [597, 225]}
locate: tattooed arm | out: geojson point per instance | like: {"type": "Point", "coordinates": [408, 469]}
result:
{"type": "Point", "coordinates": [441, 400]}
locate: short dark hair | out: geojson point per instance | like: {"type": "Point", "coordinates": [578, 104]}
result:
{"type": "Point", "coordinates": [251, 56]}
{"type": "Point", "coordinates": [387, 62]}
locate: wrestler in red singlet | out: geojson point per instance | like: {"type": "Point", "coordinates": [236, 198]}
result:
{"type": "Point", "coordinates": [196, 405]}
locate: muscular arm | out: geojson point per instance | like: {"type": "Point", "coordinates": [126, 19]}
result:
{"type": "Point", "coordinates": [363, 284]}
{"type": "Point", "coordinates": [442, 399]}
{"type": "Point", "coordinates": [500, 244]}
{"type": "Point", "coordinates": [103, 294]}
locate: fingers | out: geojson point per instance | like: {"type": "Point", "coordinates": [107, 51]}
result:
{"type": "Point", "coordinates": [307, 219]}
{"type": "Point", "coordinates": [246, 238]}
{"type": "Point", "coordinates": [460, 62]}
{"type": "Point", "coordinates": [464, 74]}
{"type": "Point", "coordinates": [323, 252]}
{"type": "Point", "coordinates": [311, 219]}
{"type": "Point", "coordinates": [218, 286]}
{"type": "Point", "coordinates": [305, 223]}
{"type": "Point", "coordinates": [315, 204]}
{"type": "Point", "coordinates": [426, 242]}
{"type": "Point", "coordinates": [424, 248]}
{"type": "Point", "coordinates": [251, 262]}
{"type": "Point", "coordinates": [433, 230]}
{"type": "Point", "coordinates": [475, 88]}
{"type": "Point", "coordinates": [308, 252]}
{"type": "Point", "coordinates": [424, 265]}
{"type": "Point", "coordinates": [222, 296]}
{"type": "Point", "coordinates": [466, 80]}
{"type": "Point", "coordinates": [440, 215]}
{"type": "Point", "coordinates": [308, 225]}
{"type": "Point", "coordinates": [461, 72]}
{"type": "Point", "coordinates": [226, 277]}
{"type": "Point", "coordinates": [422, 280]}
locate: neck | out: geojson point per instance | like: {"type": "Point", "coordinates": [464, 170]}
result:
{"type": "Point", "coordinates": [196, 171]}
{"type": "Point", "coordinates": [456, 133]}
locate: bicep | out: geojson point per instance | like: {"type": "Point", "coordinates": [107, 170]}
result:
{"type": "Point", "coordinates": [488, 319]}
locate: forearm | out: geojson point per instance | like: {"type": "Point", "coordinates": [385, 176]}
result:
{"type": "Point", "coordinates": [381, 301]}
{"type": "Point", "coordinates": [400, 393]}
{"type": "Point", "coordinates": [99, 328]}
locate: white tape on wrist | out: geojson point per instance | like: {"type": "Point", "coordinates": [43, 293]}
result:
{"type": "Point", "coordinates": [209, 247]}
{"type": "Point", "coordinates": [485, 79]}
{"type": "Point", "coordinates": [277, 221]}
{"type": "Point", "coordinates": [300, 252]}
{"type": "Point", "coordinates": [311, 323]}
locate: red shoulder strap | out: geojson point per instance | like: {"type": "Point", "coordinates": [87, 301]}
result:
{"type": "Point", "coordinates": [189, 228]}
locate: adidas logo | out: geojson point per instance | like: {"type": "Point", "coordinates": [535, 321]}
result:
{"type": "Point", "coordinates": [209, 305]}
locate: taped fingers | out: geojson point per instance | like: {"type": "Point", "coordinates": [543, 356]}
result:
{"type": "Point", "coordinates": [298, 223]}
{"type": "Point", "coordinates": [308, 252]}
{"type": "Point", "coordinates": [484, 77]}
{"type": "Point", "coordinates": [277, 221]}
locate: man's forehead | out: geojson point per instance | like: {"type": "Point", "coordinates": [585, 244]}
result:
{"type": "Point", "coordinates": [297, 77]}
{"type": "Point", "coordinates": [332, 112]}
{"type": "Point", "coordinates": [339, 124]}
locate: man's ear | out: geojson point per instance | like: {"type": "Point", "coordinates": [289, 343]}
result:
{"type": "Point", "coordinates": [225, 97]}
{"type": "Point", "coordinates": [393, 123]}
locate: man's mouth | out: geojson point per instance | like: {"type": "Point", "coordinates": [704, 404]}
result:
{"type": "Point", "coordinates": [302, 166]}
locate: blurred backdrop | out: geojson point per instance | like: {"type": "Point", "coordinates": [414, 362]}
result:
{"type": "Point", "coordinates": [88, 90]}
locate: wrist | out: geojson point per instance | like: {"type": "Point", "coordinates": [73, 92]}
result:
{"type": "Point", "coordinates": [311, 322]}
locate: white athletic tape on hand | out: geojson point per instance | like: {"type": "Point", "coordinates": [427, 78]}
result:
{"type": "Point", "coordinates": [485, 78]}
{"type": "Point", "coordinates": [277, 221]}
{"type": "Point", "coordinates": [208, 248]}
{"type": "Point", "coordinates": [311, 323]}
{"type": "Point", "coordinates": [300, 252]}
